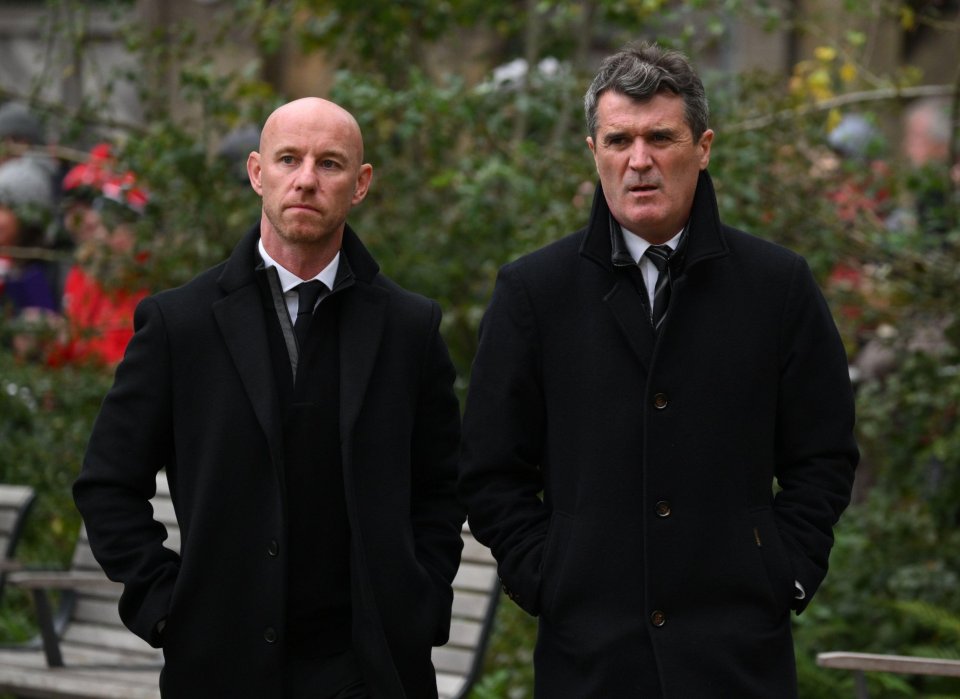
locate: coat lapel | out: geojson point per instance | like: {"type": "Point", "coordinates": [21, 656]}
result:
{"type": "Point", "coordinates": [362, 316]}
{"type": "Point", "coordinates": [631, 317]}
{"type": "Point", "coordinates": [704, 242]}
{"type": "Point", "coordinates": [240, 317]}
{"type": "Point", "coordinates": [622, 299]}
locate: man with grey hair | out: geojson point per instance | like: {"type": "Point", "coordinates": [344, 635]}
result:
{"type": "Point", "coordinates": [639, 388]}
{"type": "Point", "coordinates": [927, 129]}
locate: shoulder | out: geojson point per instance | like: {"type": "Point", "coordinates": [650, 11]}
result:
{"type": "Point", "coordinates": [405, 306]}
{"type": "Point", "coordinates": [204, 284]}
{"type": "Point", "coordinates": [547, 270]}
{"type": "Point", "coordinates": [770, 272]}
{"type": "Point", "coordinates": [562, 252]}
{"type": "Point", "coordinates": [190, 300]}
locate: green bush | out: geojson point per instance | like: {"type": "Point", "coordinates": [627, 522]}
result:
{"type": "Point", "coordinates": [470, 175]}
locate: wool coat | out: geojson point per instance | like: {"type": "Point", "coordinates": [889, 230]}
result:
{"type": "Point", "coordinates": [196, 394]}
{"type": "Point", "coordinates": [655, 497]}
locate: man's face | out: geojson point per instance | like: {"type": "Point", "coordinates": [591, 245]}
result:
{"type": "Point", "coordinates": [919, 143]}
{"type": "Point", "coordinates": [9, 227]}
{"type": "Point", "coordinates": [309, 173]}
{"type": "Point", "coordinates": [648, 162]}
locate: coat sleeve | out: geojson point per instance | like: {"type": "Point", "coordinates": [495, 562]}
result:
{"type": "Point", "coordinates": [436, 513]}
{"type": "Point", "coordinates": [500, 471]}
{"type": "Point", "coordinates": [130, 442]}
{"type": "Point", "coordinates": [816, 449]}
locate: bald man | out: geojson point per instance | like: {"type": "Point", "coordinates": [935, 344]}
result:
{"type": "Point", "coordinates": [302, 405]}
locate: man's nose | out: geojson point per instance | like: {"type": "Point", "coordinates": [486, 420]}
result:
{"type": "Point", "coordinates": [306, 176]}
{"type": "Point", "coordinates": [640, 155]}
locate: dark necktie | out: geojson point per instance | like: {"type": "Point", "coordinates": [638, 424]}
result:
{"type": "Point", "coordinates": [660, 256]}
{"type": "Point", "coordinates": [308, 293]}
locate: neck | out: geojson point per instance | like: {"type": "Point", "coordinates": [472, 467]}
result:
{"type": "Point", "coordinates": [304, 258]}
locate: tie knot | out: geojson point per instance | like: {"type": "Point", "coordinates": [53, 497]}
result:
{"type": "Point", "coordinates": [659, 255]}
{"type": "Point", "coordinates": [308, 293]}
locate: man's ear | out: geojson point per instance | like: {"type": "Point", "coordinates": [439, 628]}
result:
{"type": "Point", "coordinates": [364, 179]}
{"type": "Point", "coordinates": [593, 151]}
{"type": "Point", "coordinates": [253, 172]}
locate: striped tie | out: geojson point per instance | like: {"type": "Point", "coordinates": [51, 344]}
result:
{"type": "Point", "coordinates": [660, 256]}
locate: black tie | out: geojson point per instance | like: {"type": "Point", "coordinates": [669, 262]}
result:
{"type": "Point", "coordinates": [660, 256]}
{"type": "Point", "coordinates": [308, 292]}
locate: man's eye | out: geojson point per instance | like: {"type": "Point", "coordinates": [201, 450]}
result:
{"type": "Point", "coordinates": [286, 159]}
{"type": "Point", "coordinates": [328, 164]}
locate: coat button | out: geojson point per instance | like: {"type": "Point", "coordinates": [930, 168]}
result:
{"type": "Point", "coordinates": [662, 508]}
{"type": "Point", "coordinates": [270, 635]}
{"type": "Point", "coordinates": [658, 618]}
{"type": "Point", "coordinates": [660, 401]}
{"type": "Point", "coordinates": [273, 548]}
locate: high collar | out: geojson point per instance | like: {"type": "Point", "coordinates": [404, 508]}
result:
{"type": "Point", "coordinates": [245, 258]}
{"type": "Point", "coordinates": [703, 239]}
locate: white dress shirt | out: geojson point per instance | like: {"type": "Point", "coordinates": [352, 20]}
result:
{"type": "Point", "coordinates": [290, 281]}
{"type": "Point", "coordinates": [637, 246]}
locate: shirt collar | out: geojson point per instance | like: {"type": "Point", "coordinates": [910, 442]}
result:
{"type": "Point", "coordinates": [637, 245]}
{"type": "Point", "coordinates": [289, 280]}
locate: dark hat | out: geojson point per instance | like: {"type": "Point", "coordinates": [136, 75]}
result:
{"type": "Point", "coordinates": [18, 122]}
{"type": "Point", "coordinates": [236, 146]}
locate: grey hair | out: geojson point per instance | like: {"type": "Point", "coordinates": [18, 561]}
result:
{"type": "Point", "coordinates": [641, 71]}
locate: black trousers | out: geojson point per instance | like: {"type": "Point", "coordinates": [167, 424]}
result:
{"type": "Point", "coordinates": [332, 677]}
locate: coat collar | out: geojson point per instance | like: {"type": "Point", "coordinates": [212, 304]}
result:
{"type": "Point", "coordinates": [603, 243]}
{"type": "Point", "coordinates": [238, 270]}
{"type": "Point", "coordinates": [240, 315]}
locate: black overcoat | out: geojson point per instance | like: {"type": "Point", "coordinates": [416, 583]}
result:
{"type": "Point", "coordinates": [195, 394]}
{"type": "Point", "coordinates": [655, 455]}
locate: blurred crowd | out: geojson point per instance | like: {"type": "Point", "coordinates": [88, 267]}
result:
{"type": "Point", "coordinates": [905, 195]}
{"type": "Point", "coordinates": [68, 282]}
{"type": "Point", "coordinates": [69, 260]}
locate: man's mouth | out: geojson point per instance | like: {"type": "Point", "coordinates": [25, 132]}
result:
{"type": "Point", "coordinates": [301, 207]}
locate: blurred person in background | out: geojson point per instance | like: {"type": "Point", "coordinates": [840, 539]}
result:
{"type": "Point", "coordinates": [27, 278]}
{"type": "Point", "coordinates": [20, 130]}
{"type": "Point", "coordinates": [102, 289]}
{"type": "Point", "coordinates": [934, 179]}
{"type": "Point", "coordinates": [22, 135]}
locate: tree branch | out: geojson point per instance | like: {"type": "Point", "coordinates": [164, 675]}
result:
{"type": "Point", "coordinates": [880, 95]}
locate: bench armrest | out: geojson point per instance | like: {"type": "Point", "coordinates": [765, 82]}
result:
{"type": "Point", "coordinates": [902, 664]}
{"type": "Point", "coordinates": [40, 583]}
{"type": "Point", "coordinates": [60, 580]}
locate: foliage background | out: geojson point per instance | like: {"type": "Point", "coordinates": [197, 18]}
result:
{"type": "Point", "coordinates": [470, 173]}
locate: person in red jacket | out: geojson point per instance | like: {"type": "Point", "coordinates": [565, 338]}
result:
{"type": "Point", "coordinates": [99, 315]}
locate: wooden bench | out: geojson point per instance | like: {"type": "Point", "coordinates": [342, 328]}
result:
{"type": "Point", "coordinates": [476, 590]}
{"type": "Point", "coordinates": [15, 502]}
{"type": "Point", "coordinates": [87, 653]}
{"type": "Point", "coordinates": [84, 651]}
{"type": "Point", "coordinates": [862, 663]}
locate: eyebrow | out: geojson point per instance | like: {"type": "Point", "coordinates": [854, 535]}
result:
{"type": "Point", "coordinates": [285, 149]}
{"type": "Point", "coordinates": [615, 133]}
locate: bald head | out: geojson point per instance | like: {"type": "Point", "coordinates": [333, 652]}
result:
{"type": "Point", "coordinates": [309, 173]}
{"type": "Point", "coordinates": [313, 109]}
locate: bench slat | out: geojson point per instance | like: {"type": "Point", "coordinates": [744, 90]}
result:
{"type": "Point", "coordinates": [902, 664]}
{"type": "Point", "coordinates": [103, 659]}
